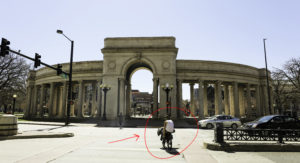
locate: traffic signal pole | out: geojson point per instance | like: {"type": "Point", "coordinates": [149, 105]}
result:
{"type": "Point", "coordinates": [37, 60]}
{"type": "Point", "coordinates": [4, 50]}
{"type": "Point", "coordinates": [33, 59]}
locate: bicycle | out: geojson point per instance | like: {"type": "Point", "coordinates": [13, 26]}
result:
{"type": "Point", "coordinates": [168, 139]}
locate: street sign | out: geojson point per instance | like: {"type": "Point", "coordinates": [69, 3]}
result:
{"type": "Point", "coordinates": [64, 76]}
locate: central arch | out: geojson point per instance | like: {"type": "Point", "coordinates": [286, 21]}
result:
{"type": "Point", "coordinates": [135, 67]}
{"type": "Point", "coordinates": [124, 56]}
{"type": "Point", "coordinates": [138, 104]}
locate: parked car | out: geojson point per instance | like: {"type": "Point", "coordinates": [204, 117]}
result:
{"type": "Point", "coordinates": [227, 120]}
{"type": "Point", "coordinates": [274, 122]}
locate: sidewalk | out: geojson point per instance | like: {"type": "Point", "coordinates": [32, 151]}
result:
{"type": "Point", "coordinates": [90, 143]}
{"type": "Point", "coordinates": [253, 146]}
{"type": "Point", "coordinates": [38, 133]}
{"type": "Point", "coordinates": [139, 123]}
{"type": "Point", "coordinates": [133, 122]}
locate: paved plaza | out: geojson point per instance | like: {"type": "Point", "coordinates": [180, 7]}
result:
{"type": "Point", "coordinates": [91, 144]}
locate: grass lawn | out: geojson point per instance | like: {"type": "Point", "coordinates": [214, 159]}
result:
{"type": "Point", "coordinates": [17, 114]}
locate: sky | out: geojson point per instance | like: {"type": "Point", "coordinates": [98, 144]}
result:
{"type": "Point", "coordinates": [219, 30]}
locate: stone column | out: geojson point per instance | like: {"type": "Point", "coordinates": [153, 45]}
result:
{"type": "Point", "coordinates": [155, 97]}
{"type": "Point", "coordinates": [231, 100]}
{"type": "Point", "coordinates": [50, 109]}
{"type": "Point", "coordinates": [93, 114]}
{"type": "Point", "coordinates": [226, 100]}
{"type": "Point", "coordinates": [241, 101]}
{"type": "Point", "coordinates": [55, 100]}
{"type": "Point", "coordinates": [64, 99]}
{"type": "Point", "coordinates": [85, 99]}
{"type": "Point", "coordinates": [163, 98]}
{"type": "Point", "coordinates": [28, 100]}
{"type": "Point", "coordinates": [128, 100]}
{"type": "Point", "coordinates": [41, 111]}
{"type": "Point", "coordinates": [35, 97]}
{"type": "Point", "coordinates": [218, 98]}
{"type": "Point", "coordinates": [201, 97]}
{"type": "Point", "coordinates": [257, 99]}
{"type": "Point", "coordinates": [80, 99]}
{"type": "Point", "coordinates": [60, 102]}
{"type": "Point", "coordinates": [248, 96]}
{"type": "Point", "coordinates": [32, 101]}
{"type": "Point", "coordinates": [99, 100]}
{"type": "Point", "coordinates": [205, 105]}
{"type": "Point", "coordinates": [192, 105]}
{"type": "Point", "coordinates": [122, 97]}
{"type": "Point", "coordinates": [236, 100]}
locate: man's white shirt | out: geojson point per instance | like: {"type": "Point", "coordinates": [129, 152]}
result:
{"type": "Point", "coordinates": [170, 126]}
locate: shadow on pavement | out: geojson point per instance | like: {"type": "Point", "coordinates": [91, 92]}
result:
{"type": "Point", "coordinates": [43, 123]}
{"type": "Point", "coordinates": [172, 151]}
{"type": "Point", "coordinates": [46, 129]}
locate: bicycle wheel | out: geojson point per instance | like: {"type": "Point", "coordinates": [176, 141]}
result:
{"type": "Point", "coordinates": [170, 144]}
{"type": "Point", "coordinates": [163, 143]}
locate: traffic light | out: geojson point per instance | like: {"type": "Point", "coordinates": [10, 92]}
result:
{"type": "Point", "coordinates": [37, 60]}
{"type": "Point", "coordinates": [59, 70]}
{"type": "Point", "coordinates": [4, 47]}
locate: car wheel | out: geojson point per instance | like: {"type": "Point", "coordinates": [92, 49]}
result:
{"type": "Point", "coordinates": [234, 126]}
{"type": "Point", "coordinates": [209, 126]}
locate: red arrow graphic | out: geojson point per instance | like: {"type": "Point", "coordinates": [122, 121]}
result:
{"type": "Point", "coordinates": [135, 135]}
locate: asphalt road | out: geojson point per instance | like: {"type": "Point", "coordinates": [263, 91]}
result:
{"type": "Point", "coordinates": [91, 144]}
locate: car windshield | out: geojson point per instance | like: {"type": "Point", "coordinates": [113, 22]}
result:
{"type": "Point", "coordinates": [264, 119]}
{"type": "Point", "coordinates": [212, 117]}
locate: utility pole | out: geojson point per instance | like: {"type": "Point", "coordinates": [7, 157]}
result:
{"type": "Point", "coordinates": [267, 76]}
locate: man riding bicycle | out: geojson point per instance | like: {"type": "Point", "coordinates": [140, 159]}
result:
{"type": "Point", "coordinates": [166, 132]}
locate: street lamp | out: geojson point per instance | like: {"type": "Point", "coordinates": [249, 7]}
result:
{"type": "Point", "coordinates": [14, 102]}
{"type": "Point", "coordinates": [70, 78]}
{"type": "Point", "coordinates": [105, 89]}
{"type": "Point", "coordinates": [167, 88]}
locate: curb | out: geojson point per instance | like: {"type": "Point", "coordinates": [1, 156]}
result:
{"type": "Point", "coordinates": [253, 147]}
{"type": "Point", "coordinates": [62, 135]}
{"type": "Point", "coordinates": [39, 123]}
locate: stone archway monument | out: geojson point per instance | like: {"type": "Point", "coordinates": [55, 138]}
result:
{"type": "Point", "coordinates": [122, 56]}
{"type": "Point", "coordinates": [244, 87]}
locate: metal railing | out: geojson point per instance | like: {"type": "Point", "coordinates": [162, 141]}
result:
{"type": "Point", "coordinates": [279, 135]}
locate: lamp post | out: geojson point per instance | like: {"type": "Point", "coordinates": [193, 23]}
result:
{"type": "Point", "coordinates": [105, 89]}
{"type": "Point", "coordinates": [267, 76]}
{"type": "Point", "coordinates": [14, 102]}
{"type": "Point", "coordinates": [151, 110]}
{"type": "Point", "coordinates": [167, 88]}
{"type": "Point", "coordinates": [70, 78]}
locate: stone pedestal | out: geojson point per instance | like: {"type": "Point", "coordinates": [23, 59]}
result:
{"type": "Point", "coordinates": [8, 125]}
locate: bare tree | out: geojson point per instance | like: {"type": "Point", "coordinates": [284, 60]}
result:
{"type": "Point", "coordinates": [13, 74]}
{"type": "Point", "coordinates": [291, 71]}
{"type": "Point", "coordinates": [280, 85]}
{"type": "Point", "coordinates": [286, 83]}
